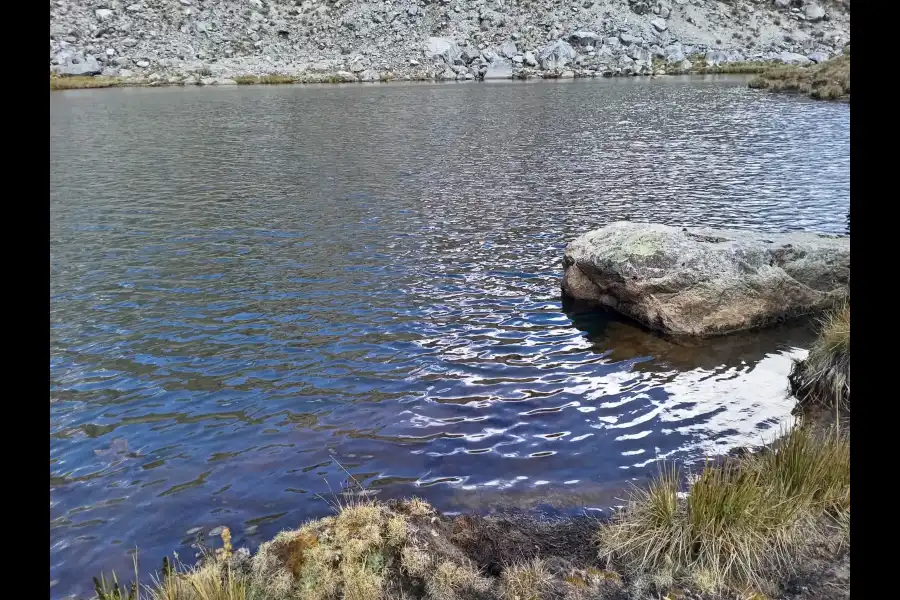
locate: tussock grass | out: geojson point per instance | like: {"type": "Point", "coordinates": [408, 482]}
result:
{"type": "Point", "coordinates": [829, 80]}
{"type": "Point", "coordinates": [213, 581]}
{"type": "Point", "coordinates": [83, 83]}
{"type": "Point", "coordinates": [823, 378]}
{"type": "Point", "coordinates": [265, 79]}
{"type": "Point", "coordinates": [456, 581]}
{"type": "Point", "coordinates": [742, 521]}
{"type": "Point", "coordinates": [531, 580]}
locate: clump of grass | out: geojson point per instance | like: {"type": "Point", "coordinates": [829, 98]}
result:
{"type": "Point", "coordinates": [83, 83]}
{"type": "Point", "coordinates": [823, 378]}
{"type": "Point", "coordinates": [526, 581]}
{"type": "Point", "coordinates": [265, 79]}
{"type": "Point", "coordinates": [829, 80]}
{"type": "Point", "coordinates": [743, 519]}
{"type": "Point", "coordinates": [456, 581]}
{"type": "Point", "coordinates": [212, 581]}
{"type": "Point", "coordinates": [810, 470]}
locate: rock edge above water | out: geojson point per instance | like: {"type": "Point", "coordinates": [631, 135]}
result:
{"type": "Point", "coordinates": [705, 282]}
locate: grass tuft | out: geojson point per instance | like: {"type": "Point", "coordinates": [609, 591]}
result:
{"type": "Point", "coordinates": [823, 378]}
{"type": "Point", "coordinates": [743, 519]}
{"type": "Point", "coordinates": [526, 581]}
{"type": "Point", "coordinates": [456, 581]}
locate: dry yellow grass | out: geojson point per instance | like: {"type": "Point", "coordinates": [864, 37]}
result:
{"type": "Point", "coordinates": [83, 83]}
{"type": "Point", "coordinates": [265, 79]}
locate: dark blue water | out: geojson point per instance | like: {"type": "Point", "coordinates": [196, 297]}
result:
{"type": "Point", "coordinates": [249, 286]}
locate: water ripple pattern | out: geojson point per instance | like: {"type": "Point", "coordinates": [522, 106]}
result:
{"type": "Point", "coordinates": [245, 283]}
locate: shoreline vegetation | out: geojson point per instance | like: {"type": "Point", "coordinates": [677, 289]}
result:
{"type": "Point", "coordinates": [829, 80]}
{"type": "Point", "coordinates": [771, 523]}
{"type": "Point", "coordinates": [661, 68]}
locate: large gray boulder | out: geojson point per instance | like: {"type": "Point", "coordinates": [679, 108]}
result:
{"type": "Point", "coordinates": [703, 282]}
{"type": "Point", "coordinates": [556, 55]}
{"type": "Point", "coordinates": [498, 69]}
{"type": "Point", "coordinates": [508, 49]}
{"type": "Point", "coordinates": [74, 65]}
{"type": "Point", "coordinates": [814, 12]}
{"type": "Point", "coordinates": [444, 49]}
{"type": "Point", "coordinates": [585, 38]}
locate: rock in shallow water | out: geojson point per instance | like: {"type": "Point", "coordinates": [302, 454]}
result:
{"type": "Point", "coordinates": [702, 282]}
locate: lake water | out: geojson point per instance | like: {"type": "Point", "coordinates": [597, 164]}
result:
{"type": "Point", "coordinates": [249, 286]}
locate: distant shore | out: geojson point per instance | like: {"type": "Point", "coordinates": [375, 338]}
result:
{"type": "Point", "coordinates": [59, 83]}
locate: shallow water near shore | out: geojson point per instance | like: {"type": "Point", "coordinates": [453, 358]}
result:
{"type": "Point", "coordinates": [252, 285]}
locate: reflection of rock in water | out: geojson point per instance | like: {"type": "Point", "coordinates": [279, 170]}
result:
{"type": "Point", "coordinates": [848, 221]}
{"type": "Point", "coordinates": [623, 339]}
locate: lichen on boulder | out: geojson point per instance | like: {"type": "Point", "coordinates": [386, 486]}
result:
{"type": "Point", "coordinates": [704, 282]}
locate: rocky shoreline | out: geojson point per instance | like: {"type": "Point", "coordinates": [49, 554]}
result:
{"type": "Point", "coordinates": [200, 42]}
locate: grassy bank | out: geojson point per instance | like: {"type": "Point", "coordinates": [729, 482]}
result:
{"type": "Point", "coordinates": [829, 80]}
{"type": "Point", "coordinates": [265, 80]}
{"type": "Point", "coordinates": [740, 527]}
{"type": "Point", "coordinates": [83, 83]}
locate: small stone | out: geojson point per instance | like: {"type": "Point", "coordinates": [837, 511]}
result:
{"type": "Point", "coordinates": [103, 14]}
{"type": "Point", "coordinates": [143, 64]}
{"type": "Point", "coordinates": [659, 24]}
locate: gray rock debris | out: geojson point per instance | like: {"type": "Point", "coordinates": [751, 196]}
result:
{"type": "Point", "coordinates": [415, 38]}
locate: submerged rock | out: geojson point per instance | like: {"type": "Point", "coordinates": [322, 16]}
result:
{"type": "Point", "coordinates": [701, 282]}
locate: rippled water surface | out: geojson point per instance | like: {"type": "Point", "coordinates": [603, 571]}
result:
{"type": "Point", "coordinates": [245, 283]}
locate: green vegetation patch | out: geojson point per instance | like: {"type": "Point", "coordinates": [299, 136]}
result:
{"type": "Point", "coordinates": [829, 80]}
